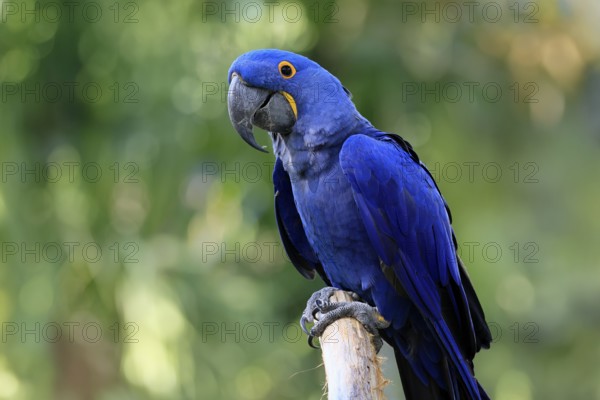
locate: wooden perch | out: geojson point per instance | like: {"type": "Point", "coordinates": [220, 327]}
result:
{"type": "Point", "coordinates": [351, 365]}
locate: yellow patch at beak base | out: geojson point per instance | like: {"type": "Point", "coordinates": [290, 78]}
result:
{"type": "Point", "coordinates": [292, 102]}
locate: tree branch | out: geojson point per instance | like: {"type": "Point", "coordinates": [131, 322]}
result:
{"type": "Point", "coordinates": [351, 365]}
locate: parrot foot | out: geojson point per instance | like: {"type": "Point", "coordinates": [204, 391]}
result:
{"type": "Point", "coordinates": [319, 302]}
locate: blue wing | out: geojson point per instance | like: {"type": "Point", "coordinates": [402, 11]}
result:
{"type": "Point", "coordinates": [408, 224]}
{"type": "Point", "coordinates": [290, 227]}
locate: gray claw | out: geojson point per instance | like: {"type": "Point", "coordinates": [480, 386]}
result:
{"type": "Point", "coordinates": [303, 322]}
{"type": "Point", "coordinates": [310, 341]}
{"type": "Point", "coordinates": [368, 316]}
{"type": "Point", "coordinates": [315, 303]}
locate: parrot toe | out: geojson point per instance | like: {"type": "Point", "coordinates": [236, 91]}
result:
{"type": "Point", "coordinates": [321, 311]}
{"type": "Point", "coordinates": [314, 304]}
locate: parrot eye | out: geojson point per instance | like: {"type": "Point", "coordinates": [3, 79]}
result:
{"type": "Point", "coordinates": [286, 69]}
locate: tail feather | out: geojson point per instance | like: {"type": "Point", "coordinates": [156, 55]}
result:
{"type": "Point", "coordinates": [451, 377]}
{"type": "Point", "coordinates": [455, 355]}
{"type": "Point", "coordinates": [482, 393]}
{"type": "Point", "coordinates": [414, 388]}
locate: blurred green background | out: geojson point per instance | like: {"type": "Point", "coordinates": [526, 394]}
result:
{"type": "Point", "coordinates": [140, 257]}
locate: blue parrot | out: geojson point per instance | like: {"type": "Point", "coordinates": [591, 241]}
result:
{"type": "Point", "coordinates": [356, 206]}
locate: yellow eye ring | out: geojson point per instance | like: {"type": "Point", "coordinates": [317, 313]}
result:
{"type": "Point", "coordinates": [286, 69]}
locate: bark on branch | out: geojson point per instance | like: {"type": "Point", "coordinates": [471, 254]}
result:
{"type": "Point", "coordinates": [352, 367]}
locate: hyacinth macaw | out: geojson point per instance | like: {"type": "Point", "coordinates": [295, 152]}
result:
{"type": "Point", "coordinates": [356, 206]}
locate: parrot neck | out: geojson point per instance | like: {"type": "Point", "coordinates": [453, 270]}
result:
{"type": "Point", "coordinates": [307, 153]}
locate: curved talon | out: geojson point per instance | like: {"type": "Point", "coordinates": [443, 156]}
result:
{"type": "Point", "coordinates": [378, 343]}
{"type": "Point", "coordinates": [310, 342]}
{"type": "Point", "coordinates": [314, 305]}
{"type": "Point", "coordinates": [303, 322]}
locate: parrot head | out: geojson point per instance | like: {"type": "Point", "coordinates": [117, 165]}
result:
{"type": "Point", "coordinates": [285, 93]}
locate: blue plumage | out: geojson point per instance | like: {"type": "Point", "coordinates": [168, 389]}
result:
{"type": "Point", "coordinates": [356, 206]}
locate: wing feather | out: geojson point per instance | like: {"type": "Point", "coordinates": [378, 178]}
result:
{"type": "Point", "coordinates": [290, 227]}
{"type": "Point", "coordinates": [409, 225]}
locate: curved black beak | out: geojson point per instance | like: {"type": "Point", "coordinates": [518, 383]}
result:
{"type": "Point", "coordinates": [249, 106]}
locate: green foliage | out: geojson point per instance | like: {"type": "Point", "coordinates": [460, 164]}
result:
{"type": "Point", "coordinates": [140, 258]}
